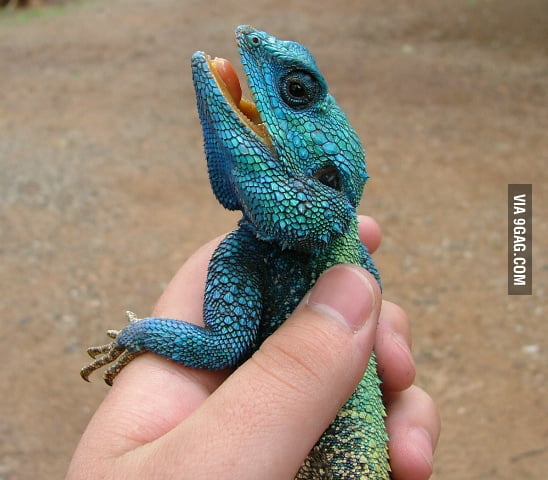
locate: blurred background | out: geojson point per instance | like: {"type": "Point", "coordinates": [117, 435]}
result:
{"type": "Point", "coordinates": [104, 193]}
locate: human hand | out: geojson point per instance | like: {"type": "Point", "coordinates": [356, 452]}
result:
{"type": "Point", "coordinates": [163, 420]}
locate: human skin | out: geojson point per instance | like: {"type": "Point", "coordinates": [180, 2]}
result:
{"type": "Point", "coordinates": [164, 420]}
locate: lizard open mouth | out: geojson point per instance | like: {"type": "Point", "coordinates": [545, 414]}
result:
{"type": "Point", "coordinates": [229, 84]}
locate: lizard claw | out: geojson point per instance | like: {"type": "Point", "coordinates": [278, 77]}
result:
{"type": "Point", "coordinates": [112, 333]}
{"type": "Point", "coordinates": [109, 353]}
{"type": "Point", "coordinates": [98, 350]}
{"type": "Point", "coordinates": [115, 368]}
{"type": "Point", "coordinates": [132, 317]}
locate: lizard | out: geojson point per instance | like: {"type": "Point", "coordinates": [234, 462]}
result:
{"type": "Point", "coordinates": [290, 161]}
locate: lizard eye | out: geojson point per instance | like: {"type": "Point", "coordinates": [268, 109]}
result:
{"type": "Point", "coordinates": [299, 89]}
{"type": "Point", "coordinates": [329, 176]}
{"type": "Point", "coordinates": [254, 40]}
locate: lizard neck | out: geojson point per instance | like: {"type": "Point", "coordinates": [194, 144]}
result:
{"type": "Point", "coordinates": [345, 249]}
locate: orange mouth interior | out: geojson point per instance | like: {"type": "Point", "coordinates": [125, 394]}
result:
{"type": "Point", "coordinates": [229, 84]}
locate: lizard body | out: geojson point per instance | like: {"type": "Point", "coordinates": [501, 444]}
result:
{"type": "Point", "coordinates": [291, 162]}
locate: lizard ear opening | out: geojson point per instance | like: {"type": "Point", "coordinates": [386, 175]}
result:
{"type": "Point", "coordinates": [329, 176]}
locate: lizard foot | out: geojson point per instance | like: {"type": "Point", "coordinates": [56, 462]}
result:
{"type": "Point", "coordinates": [109, 353]}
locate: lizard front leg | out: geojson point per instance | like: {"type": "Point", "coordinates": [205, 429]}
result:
{"type": "Point", "coordinates": [232, 313]}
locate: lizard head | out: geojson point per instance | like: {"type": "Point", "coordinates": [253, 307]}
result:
{"type": "Point", "coordinates": [288, 158]}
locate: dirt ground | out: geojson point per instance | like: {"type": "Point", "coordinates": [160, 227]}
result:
{"type": "Point", "coordinates": [104, 193]}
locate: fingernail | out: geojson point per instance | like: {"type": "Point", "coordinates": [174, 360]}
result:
{"type": "Point", "coordinates": [399, 340]}
{"type": "Point", "coordinates": [421, 440]}
{"type": "Point", "coordinates": [344, 292]}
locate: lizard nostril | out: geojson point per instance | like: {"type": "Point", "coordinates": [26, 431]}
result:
{"type": "Point", "coordinates": [329, 176]}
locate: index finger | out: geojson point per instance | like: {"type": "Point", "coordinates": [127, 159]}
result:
{"type": "Point", "coordinates": [151, 395]}
{"type": "Point", "coordinates": [370, 232]}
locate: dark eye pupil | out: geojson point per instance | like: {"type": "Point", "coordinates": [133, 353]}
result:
{"type": "Point", "coordinates": [296, 89]}
{"type": "Point", "coordinates": [300, 89]}
{"type": "Point", "coordinates": [329, 176]}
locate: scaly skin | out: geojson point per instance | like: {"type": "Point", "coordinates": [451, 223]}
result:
{"type": "Point", "coordinates": [297, 173]}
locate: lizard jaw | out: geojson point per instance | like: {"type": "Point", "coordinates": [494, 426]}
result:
{"type": "Point", "coordinates": [228, 83]}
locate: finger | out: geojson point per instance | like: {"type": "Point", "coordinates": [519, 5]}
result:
{"type": "Point", "coordinates": [396, 366]}
{"type": "Point", "coordinates": [413, 425]}
{"type": "Point", "coordinates": [370, 232]}
{"type": "Point", "coordinates": [274, 407]}
{"type": "Point", "coordinates": [183, 297]}
{"type": "Point", "coordinates": [151, 394]}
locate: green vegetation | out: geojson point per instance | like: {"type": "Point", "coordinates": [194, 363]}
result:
{"type": "Point", "coordinates": [20, 12]}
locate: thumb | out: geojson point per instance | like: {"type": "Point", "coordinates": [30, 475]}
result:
{"type": "Point", "coordinates": [274, 407]}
